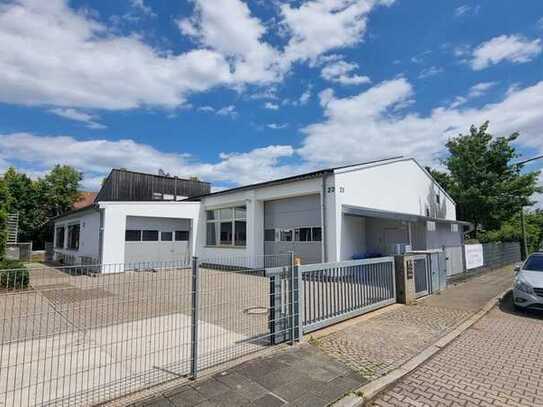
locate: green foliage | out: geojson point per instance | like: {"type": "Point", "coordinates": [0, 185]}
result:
{"type": "Point", "coordinates": [511, 230]}
{"type": "Point", "coordinates": [59, 189]}
{"type": "Point", "coordinates": [13, 275]}
{"type": "Point", "coordinates": [488, 189]}
{"type": "Point", "coordinates": [40, 200]}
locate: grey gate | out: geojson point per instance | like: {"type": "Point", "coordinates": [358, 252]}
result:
{"type": "Point", "coordinates": [422, 279]}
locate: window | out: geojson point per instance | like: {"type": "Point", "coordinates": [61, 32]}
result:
{"type": "Point", "coordinates": [286, 235]}
{"type": "Point", "coordinates": [166, 236]}
{"type": "Point", "coordinates": [157, 196]}
{"type": "Point", "coordinates": [428, 212]}
{"type": "Point", "coordinates": [227, 227]}
{"type": "Point", "coordinates": [181, 235]}
{"type": "Point", "coordinates": [132, 235]}
{"type": "Point", "coordinates": [430, 226]}
{"type": "Point", "coordinates": [454, 227]}
{"type": "Point", "coordinates": [269, 235]}
{"type": "Point", "coordinates": [302, 235]}
{"type": "Point", "coordinates": [438, 199]}
{"type": "Point", "coordinates": [167, 197]}
{"type": "Point", "coordinates": [150, 235]}
{"type": "Point", "coordinates": [316, 234]}
{"type": "Point", "coordinates": [73, 237]}
{"type": "Point", "coordinates": [534, 263]}
{"type": "Point", "coordinates": [59, 243]}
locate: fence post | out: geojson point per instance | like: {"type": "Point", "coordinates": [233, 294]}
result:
{"type": "Point", "coordinates": [301, 302]}
{"type": "Point", "coordinates": [194, 320]}
{"type": "Point", "coordinates": [292, 308]}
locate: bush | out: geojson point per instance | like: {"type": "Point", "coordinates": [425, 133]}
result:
{"type": "Point", "coordinates": [13, 275]}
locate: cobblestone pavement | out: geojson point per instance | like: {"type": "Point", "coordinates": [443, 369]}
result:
{"type": "Point", "coordinates": [497, 362]}
{"type": "Point", "coordinates": [376, 346]}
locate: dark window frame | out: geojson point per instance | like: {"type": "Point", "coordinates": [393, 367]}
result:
{"type": "Point", "coordinates": [74, 236]}
{"type": "Point", "coordinates": [127, 232]}
{"type": "Point", "coordinates": [60, 235]}
{"type": "Point", "coordinates": [180, 234]}
{"type": "Point", "coordinates": [162, 233]}
{"type": "Point", "coordinates": [149, 235]}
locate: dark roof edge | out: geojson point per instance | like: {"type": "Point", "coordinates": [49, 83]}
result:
{"type": "Point", "coordinates": [160, 176]}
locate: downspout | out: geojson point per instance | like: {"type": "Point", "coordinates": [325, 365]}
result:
{"type": "Point", "coordinates": [101, 236]}
{"type": "Point", "coordinates": [323, 218]}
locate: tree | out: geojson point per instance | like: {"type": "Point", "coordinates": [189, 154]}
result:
{"type": "Point", "coordinates": [23, 197]}
{"type": "Point", "coordinates": [59, 189]}
{"type": "Point", "coordinates": [511, 230]}
{"type": "Point", "coordinates": [488, 189]}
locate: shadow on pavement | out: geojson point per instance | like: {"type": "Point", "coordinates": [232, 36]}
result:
{"type": "Point", "coordinates": [506, 305]}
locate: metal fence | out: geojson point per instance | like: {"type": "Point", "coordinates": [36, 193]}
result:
{"type": "Point", "coordinates": [333, 292]}
{"type": "Point", "coordinates": [85, 334]}
{"type": "Point", "coordinates": [500, 254]}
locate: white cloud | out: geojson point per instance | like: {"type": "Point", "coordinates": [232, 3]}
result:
{"type": "Point", "coordinates": [96, 157]}
{"type": "Point", "coordinates": [276, 126]}
{"type": "Point", "coordinates": [342, 72]}
{"type": "Point", "coordinates": [143, 8]}
{"type": "Point", "coordinates": [513, 48]}
{"type": "Point", "coordinates": [271, 106]}
{"type": "Point", "coordinates": [79, 116]}
{"type": "Point", "coordinates": [466, 10]}
{"type": "Point", "coordinates": [53, 55]}
{"type": "Point", "coordinates": [430, 71]}
{"type": "Point", "coordinates": [475, 91]}
{"type": "Point", "coordinates": [318, 26]}
{"type": "Point", "coordinates": [369, 125]}
{"type": "Point", "coordinates": [206, 109]}
{"type": "Point", "coordinates": [227, 111]}
{"type": "Point", "coordinates": [304, 97]}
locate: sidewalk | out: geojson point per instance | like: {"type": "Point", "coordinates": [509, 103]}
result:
{"type": "Point", "coordinates": [341, 358]}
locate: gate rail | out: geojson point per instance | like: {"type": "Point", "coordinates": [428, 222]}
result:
{"type": "Point", "coordinates": [333, 292]}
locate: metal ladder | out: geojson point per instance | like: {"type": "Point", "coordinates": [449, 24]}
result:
{"type": "Point", "coordinates": [13, 227]}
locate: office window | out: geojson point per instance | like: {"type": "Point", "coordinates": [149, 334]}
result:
{"type": "Point", "coordinates": [150, 235]}
{"type": "Point", "coordinates": [286, 235]}
{"type": "Point", "coordinates": [132, 235]}
{"type": "Point", "coordinates": [59, 243]}
{"type": "Point", "coordinates": [316, 234]}
{"type": "Point", "coordinates": [303, 235]}
{"type": "Point", "coordinates": [166, 236]}
{"type": "Point", "coordinates": [227, 227]}
{"type": "Point", "coordinates": [269, 235]}
{"type": "Point", "coordinates": [73, 237]}
{"type": "Point", "coordinates": [181, 235]}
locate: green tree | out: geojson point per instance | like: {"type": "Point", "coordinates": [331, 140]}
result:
{"type": "Point", "coordinates": [511, 230]}
{"type": "Point", "coordinates": [23, 197]}
{"type": "Point", "coordinates": [488, 189]}
{"type": "Point", "coordinates": [59, 189]}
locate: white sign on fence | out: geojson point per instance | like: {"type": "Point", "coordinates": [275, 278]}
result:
{"type": "Point", "coordinates": [474, 256]}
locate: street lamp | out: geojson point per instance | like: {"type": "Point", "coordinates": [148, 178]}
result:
{"type": "Point", "coordinates": [522, 222]}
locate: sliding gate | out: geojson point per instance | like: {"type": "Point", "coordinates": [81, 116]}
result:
{"type": "Point", "coordinates": [333, 292]}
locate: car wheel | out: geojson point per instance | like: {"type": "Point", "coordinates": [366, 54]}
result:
{"type": "Point", "coordinates": [515, 306]}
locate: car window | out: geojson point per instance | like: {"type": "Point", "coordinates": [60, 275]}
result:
{"type": "Point", "coordinates": [534, 263]}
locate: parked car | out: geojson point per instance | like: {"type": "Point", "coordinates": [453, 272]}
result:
{"type": "Point", "coordinates": [528, 288]}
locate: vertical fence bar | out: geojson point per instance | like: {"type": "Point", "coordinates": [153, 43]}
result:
{"type": "Point", "coordinates": [194, 321]}
{"type": "Point", "coordinates": [300, 295]}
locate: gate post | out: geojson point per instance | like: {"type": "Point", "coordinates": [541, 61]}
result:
{"type": "Point", "coordinates": [301, 301]}
{"type": "Point", "coordinates": [194, 320]}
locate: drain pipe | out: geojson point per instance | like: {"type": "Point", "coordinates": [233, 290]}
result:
{"type": "Point", "coordinates": [323, 218]}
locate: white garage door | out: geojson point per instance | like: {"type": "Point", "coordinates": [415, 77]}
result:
{"type": "Point", "coordinates": [156, 240]}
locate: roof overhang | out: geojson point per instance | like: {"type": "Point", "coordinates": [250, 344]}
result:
{"type": "Point", "coordinates": [378, 213]}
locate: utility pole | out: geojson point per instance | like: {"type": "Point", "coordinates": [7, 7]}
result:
{"type": "Point", "coordinates": [522, 222]}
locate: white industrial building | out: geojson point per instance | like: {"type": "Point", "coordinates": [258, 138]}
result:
{"type": "Point", "coordinates": [366, 210]}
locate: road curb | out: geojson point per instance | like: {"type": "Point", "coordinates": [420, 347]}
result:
{"type": "Point", "coordinates": [366, 393]}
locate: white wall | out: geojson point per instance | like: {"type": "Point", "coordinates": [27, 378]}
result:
{"type": "Point", "coordinates": [254, 200]}
{"type": "Point", "coordinates": [115, 214]}
{"type": "Point", "coordinates": [443, 236]}
{"type": "Point", "coordinates": [400, 186]}
{"type": "Point", "coordinates": [353, 236]}
{"type": "Point", "coordinates": [89, 223]}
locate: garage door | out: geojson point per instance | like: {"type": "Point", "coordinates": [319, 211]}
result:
{"type": "Point", "coordinates": [293, 224]}
{"type": "Point", "coordinates": [156, 240]}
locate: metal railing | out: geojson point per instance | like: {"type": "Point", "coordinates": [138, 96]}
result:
{"type": "Point", "coordinates": [336, 291]}
{"type": "Point", "coordinates": [86, 334]}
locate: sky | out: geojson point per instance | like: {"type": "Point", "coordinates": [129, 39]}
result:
{"type": "Point", "coordinates": [236, 92]}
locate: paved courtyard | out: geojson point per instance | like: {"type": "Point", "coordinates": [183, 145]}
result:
{"type": "Point", "coordinates": [378, 345]}
{"type": "Point", "coordinates": [497, 362]}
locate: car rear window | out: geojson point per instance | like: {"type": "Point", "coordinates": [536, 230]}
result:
{"type": "Point", "coordinates": [534, 263]}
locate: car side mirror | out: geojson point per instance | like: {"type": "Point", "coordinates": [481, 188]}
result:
{"type": "Point", "coordinates": [517, 267]}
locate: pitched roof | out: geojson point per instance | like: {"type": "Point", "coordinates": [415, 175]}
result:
{"type": "Point", "coordinates": [86, 199]}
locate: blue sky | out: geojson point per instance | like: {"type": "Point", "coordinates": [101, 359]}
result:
{"type": "Point", "coordinates": [240, 91]}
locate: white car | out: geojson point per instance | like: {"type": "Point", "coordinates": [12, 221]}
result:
{"type": "Point", "coordinates": [528, 288]}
